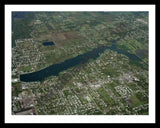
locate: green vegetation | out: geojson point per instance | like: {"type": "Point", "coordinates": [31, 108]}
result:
{"type": "Point", "coordinates": [138, 64]}
{"type": "Point", "coordinates": [110, 71]}
{"type": "Point", "coordinates": [104, 96]}
{"type": "Point", "coordinates": [67, 93]}
{"type": "Point", "coordinates": [143, 112]}
{"type": "Point", "coordinates": [132, 86]}
{"type": "Point", "coordinates": [142, 97]}
{"type": "Point", "coordinates": [135, 101]}
{"type": "Point", "coordinates": [21, 27]}
{"type": "Point", "coordinates": [17, 88]}
{"type": "Point", "coordinates": [26, 69]}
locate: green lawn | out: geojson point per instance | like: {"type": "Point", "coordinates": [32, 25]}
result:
{"type": "Point", "coordinates": [135, 101]}
{"type": "Point", "coordinates": [104, 96]}
{"type": "Point", "coordinates": [17, 88]}
{"type": "Point", "coordinates": [26, 69]}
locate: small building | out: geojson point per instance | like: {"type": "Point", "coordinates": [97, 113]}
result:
{"type": "Point", "coordinates": [135, 79]}
{"type": "Point", "coordinates": [31, 105]}
{"type": "Point", "coordinates": [15, 80]}
{"type": "Point", "coordinates": [23, 87]}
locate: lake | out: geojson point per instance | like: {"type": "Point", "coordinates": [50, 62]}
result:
{"type": "Point", "coordinates": [55, 69]}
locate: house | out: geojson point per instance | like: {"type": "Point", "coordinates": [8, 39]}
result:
{"type": "Point", "coordinates": [15, 80]}
{"type": "Point", "coordinates": [23, 87]}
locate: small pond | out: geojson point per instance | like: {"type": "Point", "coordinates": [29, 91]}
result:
{"type": "Point", "coordinates": [48, 43]}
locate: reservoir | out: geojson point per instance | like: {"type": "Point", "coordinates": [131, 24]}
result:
{"type": "Point", "coordinates": [55, 69]}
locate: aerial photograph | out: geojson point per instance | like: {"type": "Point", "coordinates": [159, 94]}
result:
{"type": "Point", "coordinates": [80, 63]}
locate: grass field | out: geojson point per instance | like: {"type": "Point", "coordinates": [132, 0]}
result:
{"type": "Point", "coordinates": [135, 101]}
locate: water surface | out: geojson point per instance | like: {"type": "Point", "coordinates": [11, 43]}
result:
{"type": "Point", "coordinates": [48, 43]}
